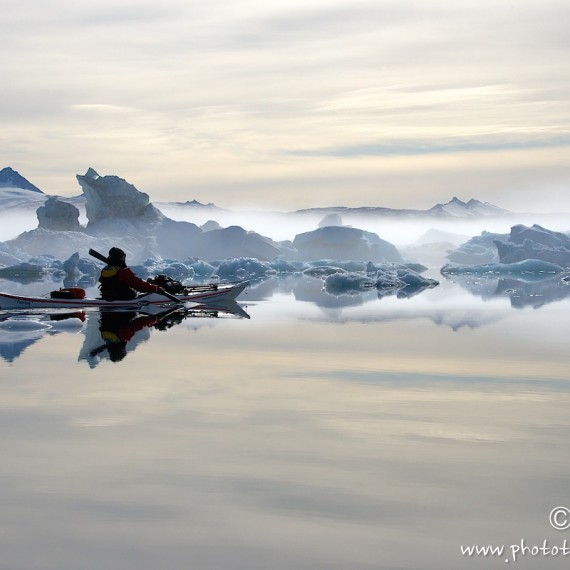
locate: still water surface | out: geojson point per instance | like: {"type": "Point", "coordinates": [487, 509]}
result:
{"type": "Point", "coordinates": [320, 433]}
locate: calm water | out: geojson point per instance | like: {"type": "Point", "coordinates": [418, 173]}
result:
{"type": "Point", "coordinates": [320, 433]}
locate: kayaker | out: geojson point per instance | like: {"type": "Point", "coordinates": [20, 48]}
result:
{"type": "Point", "coordinates": [118, 282]}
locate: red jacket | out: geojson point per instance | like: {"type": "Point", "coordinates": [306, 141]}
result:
{"type": "Point", "coordinates": [121, 283]}
{"type": "Point", "coordinates": [127, 276]}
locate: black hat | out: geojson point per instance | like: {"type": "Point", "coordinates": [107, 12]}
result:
{"type": "Point", "coordinates": [116, 254]}
{"type": "Point", "coordinates": [117, 351]}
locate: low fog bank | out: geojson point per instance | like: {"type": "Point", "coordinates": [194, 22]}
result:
{"type": "Point", "coordinates": [22, 218]}
{"type": "Point", "coordinates": [13, 223]}
{"type": "Point", "coordinates": [283, 226]}
{"type": "Point", "coordinates": [399, 230]}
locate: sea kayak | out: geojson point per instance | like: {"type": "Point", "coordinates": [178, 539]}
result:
{"type": "Point", "coordinates": [201, 294]}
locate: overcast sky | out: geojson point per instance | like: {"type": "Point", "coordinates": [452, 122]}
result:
{"type": "Point", "coordinates": [293, 103]}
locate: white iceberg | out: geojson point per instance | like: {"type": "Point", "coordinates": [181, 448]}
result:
{"type": "Point", "coordinates": [384, 281]}
{"type": "Point", "coordinates": [243, 268]}
{"type": "Point", "coordinates": [528, 266]}
{"type": "Point", "coordinates": [348, 283]}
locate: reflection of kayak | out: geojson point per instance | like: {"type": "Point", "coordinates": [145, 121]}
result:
{"type": "Point", "coordinates": [202, 294]}
{"type": "Point", "coordinates": [209, 310]}
{"type": "Point", "coordinates": [102, 328]}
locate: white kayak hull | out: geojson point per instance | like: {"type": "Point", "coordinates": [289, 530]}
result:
{"type": "Point", "coordinates": [201, 294]}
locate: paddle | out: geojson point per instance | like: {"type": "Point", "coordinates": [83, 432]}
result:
{"type": "Point", "coordinates": [104, 259]}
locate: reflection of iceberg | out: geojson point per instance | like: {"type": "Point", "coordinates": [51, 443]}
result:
{"type": "Point", "coordinates": [435, 305]}
{"type": "Point", "coordinates": [13, 342]}
{"type": "Point", "coordinates": [344, 289]}
{"type": "Point", "coordinates": [535, 291]}
{"type": "Point", "coordinates": [22, 272]}
{"type": "Point", "coordinates": [533, 294]}
{"type": "Point", "coordinates": [306, 300]}
{"type": "Point", "coordinates": [452, 316]}
{"type": "Point", "coordinates": [312, 291]}
{"type": "Point", "coordinates": [20, 331]}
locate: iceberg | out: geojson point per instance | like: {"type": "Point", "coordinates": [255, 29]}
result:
{"type": "Point", "coordinates": [23, 271]}
{"type": "Point", "coordinates": [348, 283]}
{"type": "Point", "coordinates": [111, 197]}
{"type": "Point", "coordinates": [532, 266]}
{"type": "Point", "coordinates": [478, 250]}
{"type": "Point", "coordinates": [321, 271]}
{"type": "Point", "coordinates": [243, 268]}
{"type": "Point", "coordinates": [341, 242]}
{"type": "Point", "coordinates": [403, 281]}
{"type": "Point", "coordinates": [58, 215]}
{"type": "Point", "coordinates": [535, 242]}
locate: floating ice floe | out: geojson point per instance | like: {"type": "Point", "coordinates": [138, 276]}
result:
{"type": "Point", "coordinates": [282, 266]}
{"type": "Point", "coordinates": [384, 281]}
{"type": "Point", "coordinates": [532, 266]}
{"type": "Point", "coordinates": [243, 268]}
{"type": "Point", "coordinates": [22, 270]}
{"type": "Point", "coordinates": [202, 268]}
{"type": "Point", "coordinates": [374, 268]}
{"type": "Point", "coordinates": [23, 324]}
{"type": "Point", "coordinates": [348, 283]}
{"type": "Point", "coordinates": [411, 278]}
{"type": "Point", "coordinates": [323, 271]}
{"type": "Point", "coordinates": [324, 267]}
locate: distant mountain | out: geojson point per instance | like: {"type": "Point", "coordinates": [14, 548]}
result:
{"type": "Point", "coordinates": [9, 178]}
{"type": "Point", "coordinates": [455, 208]}
{"type": "Point", "coordinates": [199, 204]}
{"type": "Point", "coordinates": [472, 209]}
{"type": "Point", "coordinates": [192, 204]}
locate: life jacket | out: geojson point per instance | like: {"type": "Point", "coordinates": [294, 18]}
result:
{"type": "Point", "coordinates": [110, 336]}
{"type": "Point", "coordinates": [111, 287]}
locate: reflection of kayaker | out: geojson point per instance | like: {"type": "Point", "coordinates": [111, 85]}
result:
{"type": "Point", "coordinates": [117, 328]}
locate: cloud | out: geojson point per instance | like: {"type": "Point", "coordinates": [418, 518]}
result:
{"type": "Point", "coordinates": [411, 148]}
{"type": "Point", "coordinates": [215, 97]}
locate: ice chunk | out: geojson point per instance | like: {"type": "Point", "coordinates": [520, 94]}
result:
{"type": "Point", "coordinates": [535, 266]}
{"type": "Point", "coordinates": [348, 283]}
{"type": "Point", "coordinates": [243, 268]}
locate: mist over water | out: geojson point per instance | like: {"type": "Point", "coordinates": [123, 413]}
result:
{"type": "Point", "coordinates": [281, 226]}
{"type": "Point", "coordinates": [285, 225]}
{"type": "Point", "coordinates": [13, 223]}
